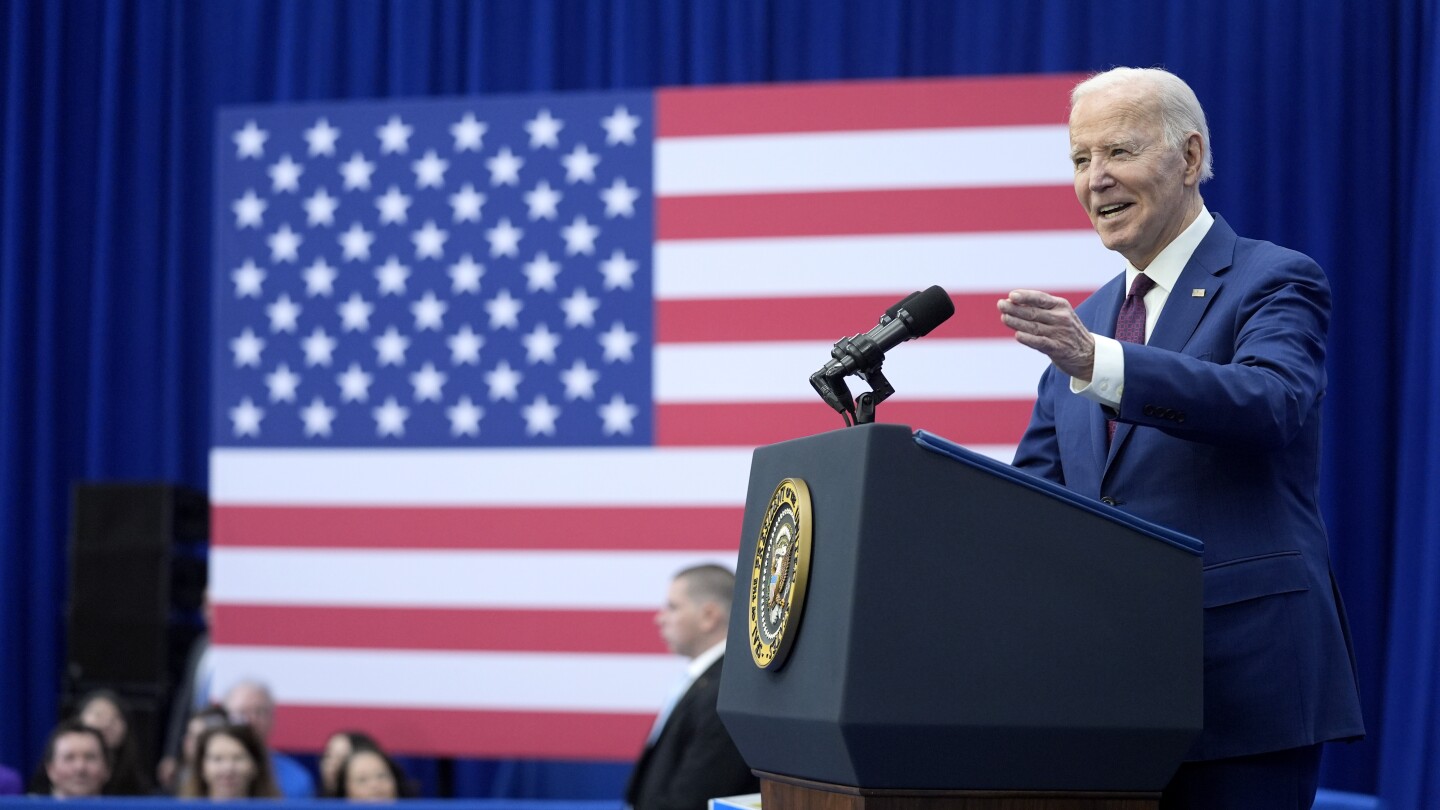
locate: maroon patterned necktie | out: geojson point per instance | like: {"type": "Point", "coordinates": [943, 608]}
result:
{"type": "Point", "coordinates": [1130, 324]}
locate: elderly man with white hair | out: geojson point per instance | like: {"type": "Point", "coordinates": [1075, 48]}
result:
{"type": "Point", "coordinates": [1187, 391]}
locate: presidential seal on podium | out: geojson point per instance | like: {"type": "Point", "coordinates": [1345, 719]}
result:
{"type": "Point", "coordinates": [779, 573]}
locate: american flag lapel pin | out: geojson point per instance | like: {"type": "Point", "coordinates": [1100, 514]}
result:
{"type": "Point", "coordinates": [1198, 292]}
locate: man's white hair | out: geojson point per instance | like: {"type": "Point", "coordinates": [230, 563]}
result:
{"type": "Point", "coordinates": [1180, 111]}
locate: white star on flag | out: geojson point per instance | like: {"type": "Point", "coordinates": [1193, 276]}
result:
{"type": "Point", "coordinates": [580, 308]}
{"type": "Point", "coordinates": [465, 346]}
{"type": "Point", "coordinates": [544, 130]}
{"type": "Point", "coordinates": [580, 165]}
{"type": "Point", "coordinates": [504, 239]}
{"type": "Point", "coordinates": [320, 278]}
{"type": "Point", "coordinates": [320, 208]}
{"type": "Point", "coordinates": [579, 381]}
{"type": "Point", "coordinates": [619, 271]}
{"type": "Point", "coordinates": [540, 345]}
{"type": "Point", "coordinates": [429, 311]}
{"type": "Point", "coordinates": [282, 383]}
{"type": "Point", "coordinates": [430, 170]}
{"type": "Point", "coordinates": [250, 141]}
{"type": "Point", "coordinates": [466, 204]}
{"type": "Point", "coordinates": [285, 175]}
{"type": "Point", "coordinates": [249, 210]}
{"type": "Point", "coordinates": [247, 348]}
{"type": "Point", "coordinates": [465, 275]}
{"type": "Point", "coordinates": [284, 314]}
{"type": "Point", "coordinates": [393, 206]}
{"type": "Point", "coordinates": [390, 418]}
{"type": "Point", "coordinates": [579, 236]}
{"type": "Point", "coordinates": [618, 343]}
{"type": "Point", "coordinates": [357, 171]}
{"type": "Point", "coordinates": [321, 139]}
{"type": "Point", "coordinates": [248, 278]}
{"type": "Point", "coordinates": [390, 348]}
{"type": "Point", "coordinates": [540, 417]}
{"type": "Point", "coordinates": [392, 276]}
{"type": "Point", "coordinates": [317, 416]}
{"type": "Point", "coordinates": [504, 311]}
{"type": "Point", "coordinates": [620, 127]}
{"type": "Point", "coordinates": [284, 244]}
{"type": "Point", "coordinates": [618, 415]}
{"type": "Point", "coordinates": [356, 243]}
{"type": "Point", "coordinates": [428, 383]}
{"type": "Point", "coordinates": [355, 384]}
{"type": "Point", "coordinates": [468, 133]}
{"type": "Point", "coordinates": [503, 382]}
{"type": "Point", "coordinates": [429, 241]}
{"type": "Point", "coordinates": [540, 273]}
{"type": "Point", "coordinates": [246, 418]}
{"type": "Point", "coordinates": [394, 136]}
{"type": "Point", "coordinates": [464, 417]}
{"type": "Point", "coordinates": [504, 168]}
{"type": "Point", "coordinates": [319, 348]}
{"type": "Point", "coordinates": [620, 199]}
{"type": "Point", "coordinates": [355, 314]}
{"type": "Point", "coordinates": [543, 201]}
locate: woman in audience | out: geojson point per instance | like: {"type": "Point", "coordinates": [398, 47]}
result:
{"type": "Point", "coordinates": [199, 722]}
{"type": "Point", "coordinates": [371, 776]}
{"type": "Point", "coordinates": [104, 711]}
{"type": "Point", "coordinates": [230, 763]}
{"type": "Point", "coordinates": [341, 745]}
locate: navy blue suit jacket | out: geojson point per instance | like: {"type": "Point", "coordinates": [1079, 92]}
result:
{"type": "Point", "coordinates": [1218, 437]}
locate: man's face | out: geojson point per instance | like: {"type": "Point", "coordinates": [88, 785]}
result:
{"type": "Point", "coordinates": [684, 623]}
{"type": "Point", "coordinates": [1133, 186]}
{"type": "Point", "coordinates": [251, 705]}
{"type": "Point", "coordinates": [78, 767]}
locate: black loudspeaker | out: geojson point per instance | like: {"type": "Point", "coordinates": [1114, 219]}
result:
{"type": "Point", "coordinates": [137, 577]}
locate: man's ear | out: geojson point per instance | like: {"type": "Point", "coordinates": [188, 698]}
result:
{"type": "Point", "coordinates": [1193, 151]}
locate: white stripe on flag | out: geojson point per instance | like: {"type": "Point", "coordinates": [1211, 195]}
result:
{"type": "Point", "coordinates": [861, 265]}
{"type": "Point", "coordinates": [559, 580]}
{"type": "Point", "coordinates": [888, 159]}
{"type": "Point", "coordinates": [449, 680]}
{"type": "Point", "coordinates": [981, 368]}
{"type": "Point", "coordinates": [500, 477]}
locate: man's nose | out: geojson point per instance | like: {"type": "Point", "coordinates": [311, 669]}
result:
{"type": "Point", "coordinates": [1099, 175]}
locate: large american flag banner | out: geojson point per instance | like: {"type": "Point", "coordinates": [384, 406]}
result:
{"type": "Point", "coordinates": [489, 370]}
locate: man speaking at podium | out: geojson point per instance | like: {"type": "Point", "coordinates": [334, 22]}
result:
{"type": "Point", "coordinates": [1187, 391]}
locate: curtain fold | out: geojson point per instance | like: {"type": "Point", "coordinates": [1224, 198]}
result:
{"type": "Point", "coordinates": [1325, 116]}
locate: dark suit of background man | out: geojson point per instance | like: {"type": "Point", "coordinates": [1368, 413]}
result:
{"type": "Point", "coordinates": [1216, 432]}
{"type": "Point", "coordinates": [689, 757]}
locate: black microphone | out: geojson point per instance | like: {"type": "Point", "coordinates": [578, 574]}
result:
{"type": "Point", "coordinates": [912, 317]}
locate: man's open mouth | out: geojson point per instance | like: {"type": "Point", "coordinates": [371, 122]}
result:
{"type": "Point", "coordinates": [1107, 211]}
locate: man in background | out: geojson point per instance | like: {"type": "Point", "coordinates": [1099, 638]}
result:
{"type": "Point", "coordinates": [76, 762]}
{"type": "Point", "coordinates": [250, 702]}
{"type": "Point", "coordinates": [1187, 392]}
{"type": "Point", "coordinates": [689, 758]}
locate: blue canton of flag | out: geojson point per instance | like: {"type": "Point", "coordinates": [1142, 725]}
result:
{"type": "Point", "coordinates": [436, 273]}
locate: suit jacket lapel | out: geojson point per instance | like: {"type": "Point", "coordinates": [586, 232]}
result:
{"type": "Point", "coordinates": [1183, 309]}
{"type": "Point", "coordinates": [1109, 299]}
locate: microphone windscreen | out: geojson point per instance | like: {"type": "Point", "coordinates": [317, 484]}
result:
{"type": "Point", "coordinates": [928, 309]}
{"type": "Point", "coordinates": [895, 308]}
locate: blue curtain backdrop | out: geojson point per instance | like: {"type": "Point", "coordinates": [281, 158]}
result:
{"type": "Point", "coordinates": [1326, 124]}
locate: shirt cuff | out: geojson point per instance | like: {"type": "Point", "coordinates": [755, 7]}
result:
{"type": "Point", "coordinates": [1108, 378]}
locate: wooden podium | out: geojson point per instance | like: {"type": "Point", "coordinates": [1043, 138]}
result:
{"type": "Point", "coordinates": [970, 636]}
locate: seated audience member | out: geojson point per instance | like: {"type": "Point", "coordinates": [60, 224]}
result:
{"type": "Point", "coordinates": [368, 775]}
{"type": "Point", "coordinates": [251, 703]}
{"type": "Point", "coordinates": [104, 711]}
{"type": "Point", "coordinates": [10, 784]}
{"type": "Point", "coordinates": [198, 723]}
{"type": "Point", "coordinates": [340, 746]}
{"type": "Point", "coordinates": [76, 762]}
{"type": "Point", "coordinates": [230, 763]}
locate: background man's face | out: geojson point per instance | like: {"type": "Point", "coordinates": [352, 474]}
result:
{"type": "Point", "coordinates": [683, 621]}
{"type": "Point", "coordinates": [1130, 183]}
{"type": "Point", "coordinates": [247, 704]}
{"type": "Point", "coordinates": [78, 767]}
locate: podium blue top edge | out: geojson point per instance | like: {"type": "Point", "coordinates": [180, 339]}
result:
{"type": "Point", "coordinates": [949, 449]}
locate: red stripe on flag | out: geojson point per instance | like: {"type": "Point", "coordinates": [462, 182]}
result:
{"type": "Point", "coordinates": [749, 424]}
{"type": "Point", "coordinates": [852, 213]}
{"type": "Point", "coordinates": [471, 733]}
{"type": "Point", "coordinates": [426, 527]}
{"type": "Point", "coordinates": [560, 631]}
{"type": "Point", "coordinates": [915, 104]}
{"type": "Point", "coordinates": [727, 320]}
